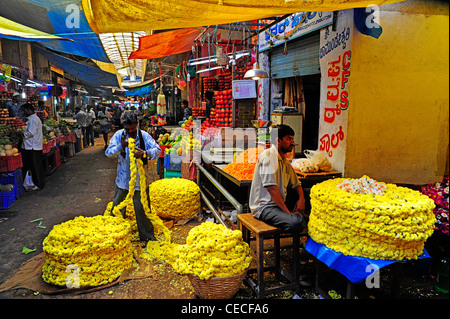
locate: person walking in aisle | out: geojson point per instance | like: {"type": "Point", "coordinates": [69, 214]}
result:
{"type": "Point", "coordinates": [80, 116]}
{"type": "Point", "coordinates": [146, 147]}
{"type": "Point", "coordinates": [32, 146]}
{"type": "Point", "coordinates": [90, 118]}
{"type": "Point", "coordinates": [105, 123]}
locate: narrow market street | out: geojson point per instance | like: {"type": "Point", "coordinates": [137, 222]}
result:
{"type": "Point", "coordinates": [83, 186]}
{"type": "Point", "coordinates": [292, 151]}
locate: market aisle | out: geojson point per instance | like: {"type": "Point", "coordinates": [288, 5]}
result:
{"type": "Point", "coordinates": [82, 186]}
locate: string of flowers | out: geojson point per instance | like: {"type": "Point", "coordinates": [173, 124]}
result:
{"type": "Point", "coordinates": [98, 248]}
{"type": "Point", "coordinates": [393, 225]}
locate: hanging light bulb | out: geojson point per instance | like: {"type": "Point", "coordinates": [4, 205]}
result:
{"type": "Point", "coordinates": [256, 73]}
{"type": "Point", "coordinates": [24, 96]}
{"type": "Point", "coordinates": [45, 98]}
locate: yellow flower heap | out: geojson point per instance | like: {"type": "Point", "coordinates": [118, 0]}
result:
{"type": "Point", "coordinates": [174, 198]}
{"type": "Point", "coordinates": [87, 251]}
{"type": "Point", "coordinates": [92, 251]}
{"type": "Point", "coordinates": [362, 217]}
{"type": "Point", "coordinates": [213, 250]}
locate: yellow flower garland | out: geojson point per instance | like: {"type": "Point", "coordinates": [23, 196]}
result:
{"type": "Point", "coordinates": [98, 248]}
{"type": "Point", "coordinates": [92, 251]}
{"type": "Point", "coordinates": [157, 223]}
{"type": "Point", "coordinates": [211, 250]}
{"type": "Point", "coordinates": [174, 198]}
{"type": "Point", "coordinates": [394, 225]}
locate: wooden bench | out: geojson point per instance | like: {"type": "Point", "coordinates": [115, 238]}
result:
{"type": "Point", "coordinates": [248, 224]}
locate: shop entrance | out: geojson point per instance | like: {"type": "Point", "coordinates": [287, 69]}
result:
{"type": "Point", "coordinates": [311, 88]}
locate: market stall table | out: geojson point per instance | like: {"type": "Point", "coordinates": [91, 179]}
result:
{"type": "Point", "coordinates": [355, 269]}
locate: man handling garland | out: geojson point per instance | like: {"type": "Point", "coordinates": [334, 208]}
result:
{"type": "Point", "coordinates": [273, 180]}
{"type": "Point", "coordinates": [146, 147]}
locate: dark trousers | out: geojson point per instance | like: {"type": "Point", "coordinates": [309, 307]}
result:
{"type": "Point", "coordinates": [90, 135]}
{"type": "Point", "coordinates": [32, 161]}
{"type": "Point", "coordinates": [84, 133]}
{"type": "Point", "coordinates": [292, 223]}
{"type": "Point", "coordinates": [145, 227]}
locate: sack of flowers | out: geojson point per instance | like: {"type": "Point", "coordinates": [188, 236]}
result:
{"type": "Point", "coordinates": [366, 218]}
{"type": "Point", "coordinates": [215, 259]}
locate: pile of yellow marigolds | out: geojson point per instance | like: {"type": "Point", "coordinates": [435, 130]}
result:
{"type": "Point", "coordinates": [87, 251]}
{"type": "Point", "coordinates": [174, 198]}
{"type": "Point", "coordinates": [362, 217]}
{"type": "Point", "coordinates": [211, 250]}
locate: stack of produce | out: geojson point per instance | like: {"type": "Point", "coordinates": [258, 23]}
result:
{"type": "Point", "coordinates": [439, 193]}
{"type": "Point", "coordinates": [198, 111]}
{"type": "Point", "coordinates": [209, 84]}
{"type": "Point", "coordinates": [13, 122]}
{"type": "Point", "coordinates": [244, 164]}
{"type": "Point", "coordinates": [174, 198]}
{"type": "Point", "coordinates": [223, 108]}
{"type": "Point", "coordinates": [366, 218]}
{"type": "Point", "coordinates": [225, 81]}
{"type": "Point", "coordinates": [87, 251]}
{"type": "Point", "coordinates": [239, 72]}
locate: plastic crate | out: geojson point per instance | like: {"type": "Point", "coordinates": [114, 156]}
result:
{"type": "Point", "coordinates": [163, 148]}
{"type": "Point", "coordinates": [7, 198]}
{"type": "Point", "coordinates": [10, 163]}
{"type": "Point", "coordinates": [171, 174]}
{"type": "Point", "coordinates": [172, 162]}
{"type": "Point", "coordinates": [14, 178]}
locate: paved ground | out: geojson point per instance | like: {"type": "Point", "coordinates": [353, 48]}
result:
{"type": "Point", "coordinates": [84, 185]}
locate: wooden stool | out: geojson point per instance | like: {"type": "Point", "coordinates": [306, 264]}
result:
{"type": "Point", "coordinates": [248, 224]}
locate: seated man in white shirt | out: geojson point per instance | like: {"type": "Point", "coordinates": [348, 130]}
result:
{"type": "Point", "coordinates": [32, 146]}
{"type": "Point", "coordinates": [273, 179]}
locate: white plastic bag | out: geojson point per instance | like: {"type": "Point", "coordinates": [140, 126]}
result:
{"type": "Point", "coordinates": [28, 181]}
{"type": "Point", "coordinates": [304, 165]}
{"type": "Point", "coordinates": [318, 158]}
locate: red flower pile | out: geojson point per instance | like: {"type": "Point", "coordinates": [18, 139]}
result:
{"type": "Point", "coordinates": [439, 193]}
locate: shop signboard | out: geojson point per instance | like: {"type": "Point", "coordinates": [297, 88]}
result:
{"type": "Point", "coordinates": [335, 99]}
{"type": "Point", "coordinates": [244, 89]}
{"type": "Point", "coordinates": [292, 27]}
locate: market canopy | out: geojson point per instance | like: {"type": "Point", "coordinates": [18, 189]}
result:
{"type": "Point", "coordinates": [138, 15]}
{"type": "Point", "coordinates": [118, 47]}
{"type": "Point", "coordinates": [16, 31]}
{"type": "Point", "coordinates": [164, 44]}
{"type": "Point", "coordinates": [85, 73]}
{"type": "Point", "coordinates": [61, 18]}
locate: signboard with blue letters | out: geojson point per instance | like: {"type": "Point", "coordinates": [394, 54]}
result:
{"type": "Point", "coordinates": [292, 27]}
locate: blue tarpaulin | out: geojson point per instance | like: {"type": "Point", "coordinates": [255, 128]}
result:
{"type": "Point", "coordinates": [142, 91]}
{"type": "Point", "coordinates": [64, 18]}
{"type": "Point", "coordinates": [354, 268]}
{"type": "Point", "coordinates": [85, 73]}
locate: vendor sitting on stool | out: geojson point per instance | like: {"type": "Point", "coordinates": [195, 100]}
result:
{"type": "Point", "coordinates": [273, 179]}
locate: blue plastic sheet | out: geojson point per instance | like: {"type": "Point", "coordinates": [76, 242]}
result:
{"type": "Point", "coordinates": [85, 73]}
{"type": "Point", "coordinates": [354, 268]}
{"type": "Point", "coordinates": [142, 91]}
{"type": "Point", "coordinates": [64, 18]}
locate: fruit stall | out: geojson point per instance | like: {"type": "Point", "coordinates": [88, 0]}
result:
{"type": "Point", "coordinates": [57, 148]}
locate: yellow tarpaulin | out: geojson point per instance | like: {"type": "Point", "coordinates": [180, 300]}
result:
{"type": "Point", "coordinates": [17, 31]}
{"type": "Point", "coordinates": [140, 15]}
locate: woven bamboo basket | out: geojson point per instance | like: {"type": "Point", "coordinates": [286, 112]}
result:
{"type": "Point", "coordinates": [217, 287]}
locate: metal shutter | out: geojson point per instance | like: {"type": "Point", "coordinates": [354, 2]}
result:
{"type": "Point", "coordinates": [302, 58]}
